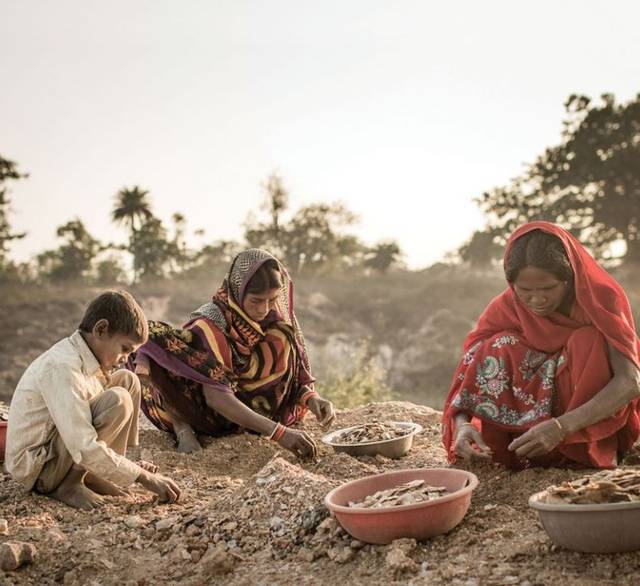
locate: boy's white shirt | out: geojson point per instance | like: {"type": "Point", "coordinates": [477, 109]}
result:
{"type": "Point", "coordinates": [54, 392]}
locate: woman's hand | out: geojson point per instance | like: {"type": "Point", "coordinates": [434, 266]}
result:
{"type": "Point", "coordinates": [466, 436]}
{"type": "Point", "coordinates": [323, 410]}
{"type": "Point", "coordinates": [539, 440]}
{"type": "Point", "coordinates": [299, 443]}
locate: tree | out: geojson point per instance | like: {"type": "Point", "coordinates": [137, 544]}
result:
{"type": "Point", "coordinates": [133, 210]}
{"type": "Point", "coordinates": [589, 183]}
{"type": "Point", "coordinates": [8, 172]}
{"type": "Point", "coordinates": [73, 259]}
{"type": "Point", "coordinates": [481, 250]}
{"type": "Point", "coordinates": [277, 201]}
{"type": "Point", "coordinates": [109, 272]}
{"type": "Point", "coordinates": [151, 249]}
{"type": "Point", "coordinates": [270, 235]}
{"type": "Point", "coordinates": [180, 256]}
{"type": "Point", "coordinates": [382, 256]}
{"type": "Point", "coordinates": [213, 259]}
{"type": "Point", "coordinates": [314, 240]}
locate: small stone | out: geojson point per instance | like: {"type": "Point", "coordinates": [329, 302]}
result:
{"type": "Point", "coordinates": [355, 544]}
{"type": "Point", "coordinates": [405, 545]}
{"type": "Point", "coordinates": [329, 524]}
{"type": "Point", "coordinates": [193, 530]}
{"type": "Point", "coordinates": [54, 534]}
{"type": "Point", "coordinates": [196, 556]}
{"type": "Point", "coordinates": [341, 555]}
{"type": "Point", "coordinates": [200, 521]}
{"type": "Point", "coordinates": [398, 561]}
{"type": "Point", "coordinates": [180, 554]}
{"type": "Point", "coordinates": [230, 526]}
{"type": "Point", "coordinates": [107, 563]}
{"type": "Point", "coordinates": [16, 554]}
{"type": "Point", "coordinates": [134, 521]}
{"type": "Point", "coordinates": [262, 480]}
{"type": "Point", "coordinates": [217, 562]}
{"type": "Point", "coordinates": [489, 507]}
{"type": "Point", "coordinates": [167, 523]}
{"type": "Point", "coordinates": [4, 527]}
{"type": "Point", "coordinates": [306, 555]}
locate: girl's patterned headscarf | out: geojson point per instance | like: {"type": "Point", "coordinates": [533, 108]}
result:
{"type": "Point", "coordinates": [225, 308]}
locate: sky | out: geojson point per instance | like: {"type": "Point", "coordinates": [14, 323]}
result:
{"type": "Point", "coordinates": [404, 111]}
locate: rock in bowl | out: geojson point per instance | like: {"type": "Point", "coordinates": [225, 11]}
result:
{"type": "Point", "coordinates": [418, 521]}
{"type": "Point", "coordinates": [605, 527]}
{"type": "Point", "coordinates": [391, 448]}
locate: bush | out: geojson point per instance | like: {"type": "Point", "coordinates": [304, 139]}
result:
{"type": "Point", "coordinates": [364, 383]}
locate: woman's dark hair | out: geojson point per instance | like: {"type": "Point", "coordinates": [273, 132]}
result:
{"type": "Point", "coordinates": [267, 277]}
{"type": "Point", "coordinates": [540, 250]}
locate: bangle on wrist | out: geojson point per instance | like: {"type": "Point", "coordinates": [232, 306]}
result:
{"type": "Point", "coordinates": [306, 396]}
{"type": "Point", "coordinates": [273, 431]}
{"type": "Point", "coordinates": [278, 432]}
{"type": "Point", "coordinates": [560, 427]}
{"type": "Point", "coordinates": [466, 423]}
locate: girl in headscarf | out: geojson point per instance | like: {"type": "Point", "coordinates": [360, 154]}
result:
{"type": "Point", "coordinates": [550, 373]}
{"type": "Point", "coordinates": [240, 361]}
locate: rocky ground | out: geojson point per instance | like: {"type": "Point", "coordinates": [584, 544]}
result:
{"type": "Point", "coordinates": [251, 514]}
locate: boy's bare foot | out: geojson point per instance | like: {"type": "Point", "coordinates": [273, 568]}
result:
{"type": "Point", "coordinates": [187, 441]}
{"type": "Point", "coordinates": [74, 493]}
{"type": "Point", "coordinates": [103, 487]}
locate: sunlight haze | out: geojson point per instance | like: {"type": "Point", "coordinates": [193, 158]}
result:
{"type": "Point", "coordinates": [403, 111]}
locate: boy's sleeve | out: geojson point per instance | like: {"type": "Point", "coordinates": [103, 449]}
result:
{"type": "Point", "coordinates": [71, 413]}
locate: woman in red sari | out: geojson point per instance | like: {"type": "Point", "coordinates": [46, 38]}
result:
{"type": "Point", "coordinates": [550, 373]}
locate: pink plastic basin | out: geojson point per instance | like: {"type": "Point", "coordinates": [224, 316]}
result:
{"type": "Point", "coordinates": [420, 521]}
{"type": "Point", "coordinates": [3, 439]}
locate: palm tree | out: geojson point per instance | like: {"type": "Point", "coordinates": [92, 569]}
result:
{"type": "Point", "coordinates": [132, 207]}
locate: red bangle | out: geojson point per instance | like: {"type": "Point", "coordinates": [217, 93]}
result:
{"type": "Point", "coordinates": [306, 396]}
{"type": "Point", "coordinates": [278, 433]}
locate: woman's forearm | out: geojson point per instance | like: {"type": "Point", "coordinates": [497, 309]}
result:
{"type": "Point", "coordinates": [461, 418]}
{"type": "Point", "coordinates": [234, 410]}
{"type": "Point", "coordinates": [620, 390]}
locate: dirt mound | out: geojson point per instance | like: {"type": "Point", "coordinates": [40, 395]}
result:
{"type": "Point", "coordinates": [251, 513]}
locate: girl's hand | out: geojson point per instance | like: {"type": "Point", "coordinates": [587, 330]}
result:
{"type": "Point", "coordinates": [299, 443]}
{"type": "Point", "coordinates": [323, 410]}
{"type": "Point", "coordinates": [539, 440]}
{"type": "Point", "coordinates": [466, 436]}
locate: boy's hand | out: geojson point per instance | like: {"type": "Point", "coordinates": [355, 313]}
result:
{"type": "Point", "coordinates": [166, 489]}
{"type": "Point", "coordinates": [147, 466]}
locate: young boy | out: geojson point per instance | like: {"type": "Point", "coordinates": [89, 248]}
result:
{"type": "Point", "coordinates": [72, 418]}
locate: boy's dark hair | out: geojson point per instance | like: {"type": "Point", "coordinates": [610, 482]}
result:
{"type": "Point", "coordinates": [540, 250]}
{"type": "Point", "coordinates": [266, 277]}
{"type": "Point", "coordinates": [122, 312]}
